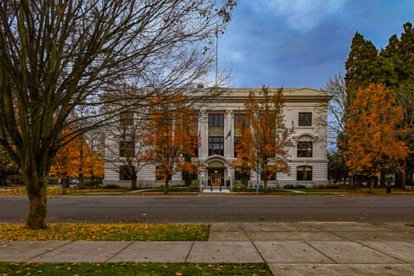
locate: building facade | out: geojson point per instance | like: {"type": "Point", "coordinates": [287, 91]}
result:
{"type": "Point", "coordinates": [305, 112]}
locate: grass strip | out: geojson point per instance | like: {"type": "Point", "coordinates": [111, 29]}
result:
{"type": "Point", "coordinates": [107, 232]}
{"type": "Point", "coordinates": [177, 269]}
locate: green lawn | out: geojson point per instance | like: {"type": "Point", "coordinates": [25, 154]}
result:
{"type": "Point", "coordinates": [108, 232]}
{"type": "Point", "coordinates": [325, 191]}
{"type": "Point", "coordinates": [132, 269]}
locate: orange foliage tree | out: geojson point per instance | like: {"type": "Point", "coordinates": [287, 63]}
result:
{"type": "Point", "coordinates": [76, 160]}
{"type": "Point", "coordinates": [374, 132]}
{"type": "Point", "coordinates": [244, 162]}
{"type": "Point", "coordinates": [264, 146]}
{"type": "Point", "coordinates": [170, 144]}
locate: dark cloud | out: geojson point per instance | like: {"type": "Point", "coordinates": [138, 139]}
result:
{"type": "Point", "coordinates": [264, 45]}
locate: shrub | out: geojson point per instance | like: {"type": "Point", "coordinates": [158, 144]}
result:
{"type": "Point", "coordinates": [111, 186]}
{"type": "Point", "coordinates": [289, 186]}
{"type": "Point", "coordinates": [194, 184]}
{"type": "Point", "coordinates": [329, 186]}
{"type": "Point", "coordinates": [292, 186]}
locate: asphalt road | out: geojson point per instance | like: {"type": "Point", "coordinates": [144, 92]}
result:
{"type": "Point", "coordinates": [216, 208]}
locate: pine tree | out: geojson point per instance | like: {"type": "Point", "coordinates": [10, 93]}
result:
{"type": "Point", "coordinates": [400, 52]}
{"type": "Point", "coordinates": [365, 66]}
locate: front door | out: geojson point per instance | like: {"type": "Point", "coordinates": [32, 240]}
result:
{"type": "Point", "coordinates": [215, 176]}
{"type": "Point", "coordinates": [215, 179]}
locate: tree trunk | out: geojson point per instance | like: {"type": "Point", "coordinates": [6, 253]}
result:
{"type": "Point", "coordinates": [166, 185]}
{"type": "Point", "coordinates": [264, 184]}
{"type": "Point", "coordinates": [134, 182]}
{"type": "Point", "coordinates": [371, 184]}
{"type": "Point", "coordinates": [382, 178]}
{"type": "Point", "coordinates": [404, 174]}
{"type": "Point", "coordinates": [2, 179]}
{"type": "Point", "coordinates": [64, 192]}
{"type": "Point", "coordinates": [37, 193]}
{"type": "Point", "coordinates": [65, 184]}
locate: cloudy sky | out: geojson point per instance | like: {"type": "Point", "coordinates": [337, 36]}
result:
{"type": "Point", "coordinates": [302, 43]}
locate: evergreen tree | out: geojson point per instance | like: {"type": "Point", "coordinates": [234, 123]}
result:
{"type": "Point", "coordinates": [400, 53]}
{"type": "Point", "coordinates": [364, 66]}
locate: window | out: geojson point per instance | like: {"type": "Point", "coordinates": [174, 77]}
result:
{"type": "Point", "coordinates": [216, 145]}
{"type": "Point", "coordinates": [241, 176]}
{"type": "Point", "coordinates": [190, 176]}
{"type": "Point", "coordinates": [304, 173]}
{"type": "Point", "coordinates": [240, 121]}
{"type": "Point", "coordinates": [305, 119]}
{"type": "Point", "coordinates": [236, 145]}
{"type": "Point", "coordinates": [195, 134]}
{"type": "Point", "coordinates": [125, 172]}
{"type": "Point", "coordinates": [159, 174]}
{"type": "Point", "coordinates": [126, 118]}
{"type": "Point", "coordinates": [216, 120]}
{"type": "Point", "coordinates": [271, 176]}
{"type": "Point", "coordinates": [196, 140]}
{"type": "Point", "coordinates": [305, 148]}
{"type": "Point", "coordinates": [126, 148]}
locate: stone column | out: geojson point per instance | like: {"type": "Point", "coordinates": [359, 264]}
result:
{"type": "Point", "coordinates": [228, 143]}
{"type": "Point", "coordinates": [203, 121]}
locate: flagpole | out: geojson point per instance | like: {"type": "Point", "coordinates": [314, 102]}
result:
{"type": "Point", "coordinates": [216, 73]}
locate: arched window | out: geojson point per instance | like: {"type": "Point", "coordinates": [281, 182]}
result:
{"type": "Point", "coordinates": [305, 147]}
{"type": "Point", "coordinates": [304, 173]}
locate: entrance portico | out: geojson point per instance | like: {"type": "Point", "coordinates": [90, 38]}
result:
{"type": "Point", "coordinates": [216, 170]}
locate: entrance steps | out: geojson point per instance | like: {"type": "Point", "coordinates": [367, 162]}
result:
{"type": "Point", "coordinates": [216, 190]}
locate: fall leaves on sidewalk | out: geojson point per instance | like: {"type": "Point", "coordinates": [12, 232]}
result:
{"type": "Point", "coordinates": [107, 232]}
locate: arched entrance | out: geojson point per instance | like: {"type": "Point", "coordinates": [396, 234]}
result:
{"type": "Point", "coordinates": [215, 170]}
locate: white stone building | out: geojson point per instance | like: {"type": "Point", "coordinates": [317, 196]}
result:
{"type": "Point", "coordinates": [305, 111]}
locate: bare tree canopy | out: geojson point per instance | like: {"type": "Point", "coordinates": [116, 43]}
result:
{"type": "Point", "coordinates": [336, 89]}
{"type": "Point", "coordinates": [57, 57]}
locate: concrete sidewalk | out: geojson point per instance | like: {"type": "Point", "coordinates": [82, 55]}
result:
{"type": "Point", "coordinates": [309, 248]}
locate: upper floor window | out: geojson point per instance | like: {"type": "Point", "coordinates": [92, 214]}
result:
{"type": "Point", "coordinates": [126, 148]}
{"type": "Point", "coordinates": [216, 145]}
{"type": "Point", "coordinates": [126, 118]}
{"type": "Point", "coordinates": [237, 145]}
{"type": "Point", "coordinates": [216, 120]}
{"type": "Point", "coordinates": [305, 148]}
{"type": "Point", "coordinates": [305, 119]}
{"type": "Point", "coordinates": [240, 121]}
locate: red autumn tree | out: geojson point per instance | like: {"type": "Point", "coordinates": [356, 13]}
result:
{"type": "Point", "coordinates": [264, 146]}
{"type": "Point", "coordinates": [170, 144]}
{"type": "Point", "coordinates": [76, 160]}
{"type": "Point", "coordinates": [374, 132]}
{"type": "Point", "coordinates": [244, 162]}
